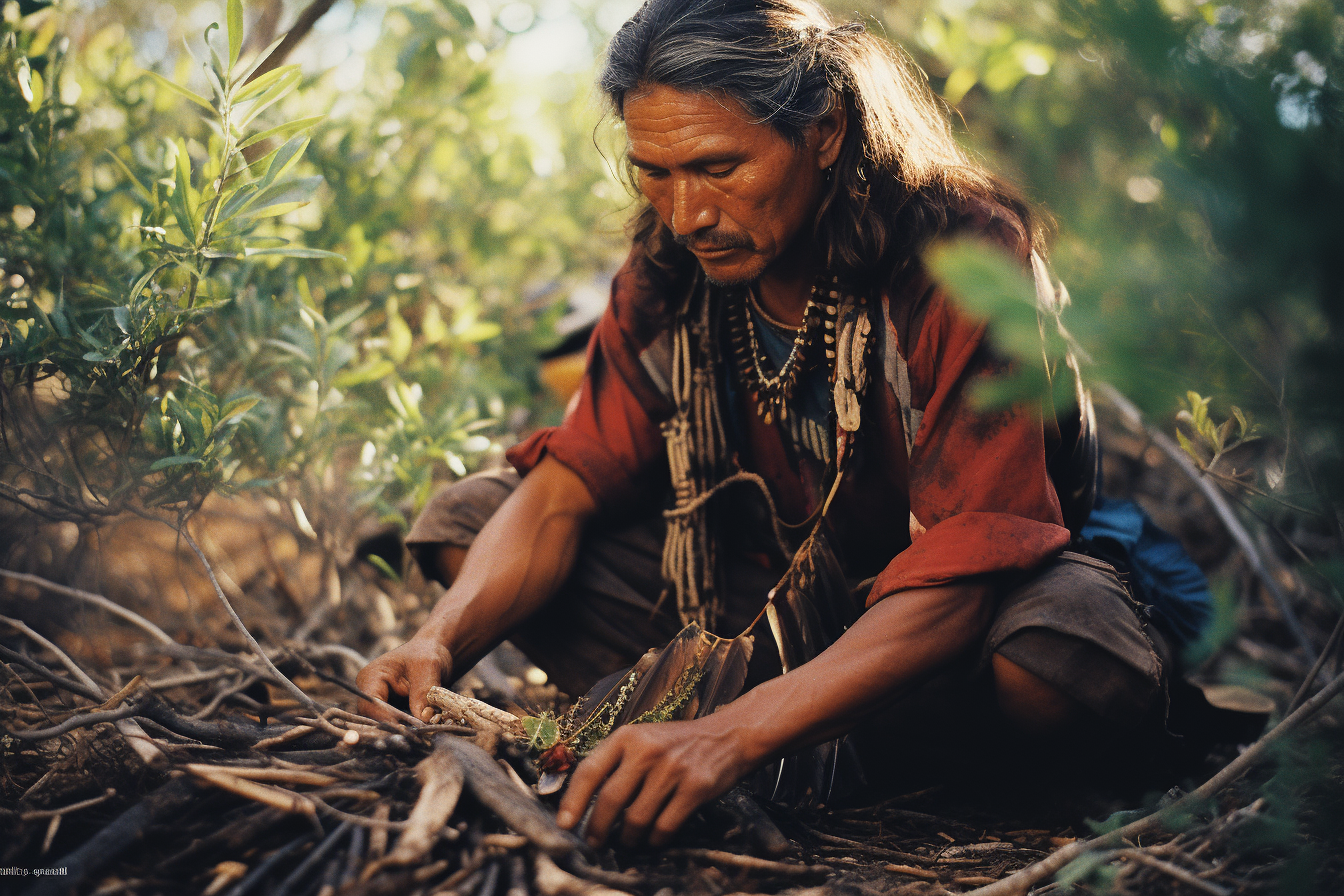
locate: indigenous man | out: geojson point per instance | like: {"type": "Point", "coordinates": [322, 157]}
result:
{"type": "Point", "coordinates": [777, 368]}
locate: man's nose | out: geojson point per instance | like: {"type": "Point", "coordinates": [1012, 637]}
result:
{"type": "Point", "coordinates": [691, 212]}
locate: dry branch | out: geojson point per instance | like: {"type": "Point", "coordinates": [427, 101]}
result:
{"type": "Point", "coordinates": [441, 781]}
{"type": "Point", "coordinates": [523, 813]}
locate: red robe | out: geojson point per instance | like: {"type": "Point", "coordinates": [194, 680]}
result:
{"type": "Point", "coordinates": [975, 482]}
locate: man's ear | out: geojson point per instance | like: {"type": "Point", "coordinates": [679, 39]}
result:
{"type": "Point", "coordinates": [830, 134]}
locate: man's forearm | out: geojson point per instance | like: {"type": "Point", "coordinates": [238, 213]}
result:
{"type": "Point", "coordinates": [517, 562]}
{"type": "Point", "coordinates": [653, 776]}
{"type": "Point", "coordinates": [890, 648]}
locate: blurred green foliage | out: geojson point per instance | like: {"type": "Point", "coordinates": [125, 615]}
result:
{"type": "Point", "coordinates": [195, 331]}
{"type": "Point", "coordinates": [1190, 153]}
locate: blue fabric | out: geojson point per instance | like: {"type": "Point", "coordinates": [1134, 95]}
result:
{"type": "Point", "coordinates": [1166, 578]}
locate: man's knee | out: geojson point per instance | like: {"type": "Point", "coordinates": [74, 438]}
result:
{"type": "Point", "coordinates": [451, 520]}
{"type": "Point", "coordinates": [1030, 702]}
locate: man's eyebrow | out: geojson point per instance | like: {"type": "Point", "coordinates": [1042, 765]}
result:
{"type": "Point", "coordinates": [709, 158]}
{"type": "Point", "coordinates": [638, 162]}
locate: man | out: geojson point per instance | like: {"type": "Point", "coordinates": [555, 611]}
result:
{"type": "Point", "coordinates": [776, 358]}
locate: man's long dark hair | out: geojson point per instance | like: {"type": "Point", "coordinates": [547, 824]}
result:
{"type": "Point", "coordinates": [901, 179]}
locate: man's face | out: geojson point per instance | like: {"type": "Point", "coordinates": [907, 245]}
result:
{"type": "Point", "coordinates": [733, 191]}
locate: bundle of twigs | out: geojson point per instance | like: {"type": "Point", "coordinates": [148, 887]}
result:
{"type": "Point", "coordinates": [207, 776]}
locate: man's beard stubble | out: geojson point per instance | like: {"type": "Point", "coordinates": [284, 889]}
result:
{"type": "Point", "coordinates": [712, 241]}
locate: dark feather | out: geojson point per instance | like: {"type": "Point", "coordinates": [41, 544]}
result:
{"type": "Point", "coordinates": [687, 651]}
{"type": "Point", "coordinates": [607, 689]}
{"type": "Point", "coordinates": [811, 606]}
{"type": "Point", "coordinates": [725, 671]}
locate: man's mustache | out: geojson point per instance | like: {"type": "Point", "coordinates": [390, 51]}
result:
{"type": "Point", "coordinates": [712, 241]}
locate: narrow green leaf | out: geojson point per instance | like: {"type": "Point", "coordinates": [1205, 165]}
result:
{"type": "Point", "coordinates": [140, 188]}
{"type": "Point", "coordinates": [213, 74]}
{"type": "Point", "coordinates": [294, 252]}
{"type": "Point", "coordinates": [348, 316]}
{"type": "Point", "coordinates": [480, 331]}
{"type": "Point", "coordinates": [235, 14]}
{"type": "Point", "coordinates": [236, 202]}
{"type": "Point", "coordinates": [1190, 449]}
{"type": "Point", "coordinates": [382, 566]}
{"type": "Point", "coordinates": [365, 373]}
{"type": "Point", "coordinates": [180, 201]}
{"type": "Point", "coordinates": [273, 95]}
{"type": "Point", "coordinates": [262, 82]}
{"type": "Point", "coordinates": [272, 209]}
{"type": "Point", "coordinates": [239, 406]}
{"type": "Point", "coordinates": [180, 90]}
{"type": "Point", "coordinates": [282, 130]}
{"type": "Point", "coordinates": [257, 60]}
{"type": "Point", "coordinates": [291, 348]}
{"type": "Point", "coordinates": [285, 158]}
{"type": "Point", "coordinates": [177, 460]}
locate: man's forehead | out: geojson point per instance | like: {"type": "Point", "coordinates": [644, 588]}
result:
{"type": "Point", "coordinates": [665, 119]}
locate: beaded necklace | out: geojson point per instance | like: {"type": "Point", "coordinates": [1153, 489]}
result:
{"type": "Point", "coordinates": [773, 391]}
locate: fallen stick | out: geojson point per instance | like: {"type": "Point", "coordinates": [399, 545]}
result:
{"type": "Point", "coordinates": [878, 852]}
{"type": "Point", "coordinates": [521, 811]}
{"type": "Point", "coordinates": [460, 706]}
{"type": "Point", "coordinates": [552, 880]}
{"type": "Point", "coordinates": [267, 794]}
{"type": "Point", "coordinates": [1175, 871]}
{"type": "Point", "coordinates": [912, 871]}
{"type": "Point", "coordinates": [283, 775]}
{"type": "Point", "coordinates": [441, 780]}
{"type": "Point", "coordinates": [220, 732]}
{"type": "Point", "coordinates": [1020, 882]}
{"type": "Point", "coordinates": [38, 814]}
{"type": "Point", "coordinates": [751, 863]}
{"type": "Point", "coordinates": [115, 838]}
{"type": "Point", "coordinates": [302, 873]}
{"type": "Point", "coordinates": [70, 724]}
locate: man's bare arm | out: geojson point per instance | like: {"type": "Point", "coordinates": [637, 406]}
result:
{"type": "Point", "coordinates": [517, 562]}
{"type": "Point", "coordinates": [655, 775]}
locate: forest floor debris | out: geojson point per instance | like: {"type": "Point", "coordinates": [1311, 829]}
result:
{"type": "Point", "coordinates": [169, 759]}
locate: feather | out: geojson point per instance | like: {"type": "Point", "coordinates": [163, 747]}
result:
{"type": "Point", "coordinates": [724, 673]}
{"type": "Point", "coordinates": [811, 606]}
{"type": "Point", "coordinates": [682, 658]}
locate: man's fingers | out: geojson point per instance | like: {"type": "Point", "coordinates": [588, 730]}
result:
{"type": "Point", "coordinates": [674, 815]}
{"type": "Point", "coordinates": [375, 685]}
{"type": "Point", "coordinates": [583, 783]}
{"type": "Point", "coordinates": [420, 677]}
{"type": "Point", "coordinates": [617, 792]}
{"type": "Point", "coordinates": [639, 816]}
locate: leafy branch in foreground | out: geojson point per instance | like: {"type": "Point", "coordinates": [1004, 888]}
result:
{"type": "Point", "coordinates": [95, 414]}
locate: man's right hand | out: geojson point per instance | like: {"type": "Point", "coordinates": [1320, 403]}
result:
{"type": "Point", "coordinates": [410, 670]}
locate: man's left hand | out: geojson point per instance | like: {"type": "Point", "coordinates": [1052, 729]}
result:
{"type": "Point", "coordinates": [652, 777]}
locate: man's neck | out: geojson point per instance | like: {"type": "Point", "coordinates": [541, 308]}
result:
{"type": "Point", "coordinates": [785, 287]}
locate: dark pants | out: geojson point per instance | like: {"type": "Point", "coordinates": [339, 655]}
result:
{"type": "Point", "coordinates": [1072, 623]}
